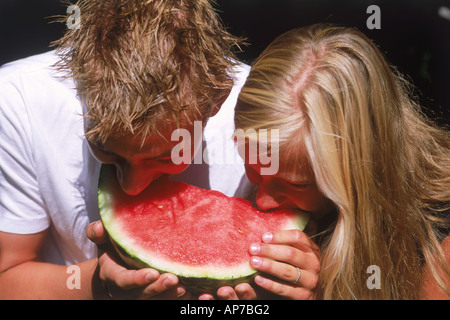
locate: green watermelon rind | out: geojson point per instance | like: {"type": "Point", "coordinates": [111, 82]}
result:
{"type": "Point", "coordinates": [196, 279]}
{"type": "Point", "coordinates": [195, 285]}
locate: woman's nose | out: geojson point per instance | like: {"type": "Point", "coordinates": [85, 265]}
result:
{"type": "Point", "coordinates": [268, 201]}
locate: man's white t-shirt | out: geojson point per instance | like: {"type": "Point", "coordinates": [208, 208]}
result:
{"type": "Point", "coordinates": [48, 177]}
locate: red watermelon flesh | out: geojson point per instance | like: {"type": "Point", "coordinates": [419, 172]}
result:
{"type": "Point", "coordinates": [200, 235]}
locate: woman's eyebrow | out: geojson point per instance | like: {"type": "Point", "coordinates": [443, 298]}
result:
{"type": "Point", "coordinates": [300, 184]}
{"type": "Point", "coordinates": [302, 181]}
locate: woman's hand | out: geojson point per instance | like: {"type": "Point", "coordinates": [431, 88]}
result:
{"type": "Point", "coordinates": [118, 282]}
{"type": "Point", "coordinates": [292, 258]}
{"type": "Point", "coordinates": [279, 255]}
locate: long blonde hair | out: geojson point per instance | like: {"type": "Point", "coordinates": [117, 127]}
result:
{"type": "Point", "coordinates": [373, 153]}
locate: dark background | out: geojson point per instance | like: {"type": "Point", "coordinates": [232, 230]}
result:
{"type": "Point", "coordinates": [413, 36]}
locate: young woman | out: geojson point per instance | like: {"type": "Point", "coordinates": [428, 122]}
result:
{"type": "Point", "coordinates": [356, 152]}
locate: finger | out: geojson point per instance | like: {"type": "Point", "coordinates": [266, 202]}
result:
{"type": "Point", "coordinates": [177, 292]}
{"type": "Point", "coordinates": [122, 277]}
{"type": "Point", "coordinates": [287, 253]}
{"type": "Point", "coordinates": [282, 289]}
{"type": "Point", "coordinates": [131, 279]}
{"type": "Point", "coordinates": [183, 294]}
{"type": "Point", "coordinates": [164, 283]}
{"type": "Point", "coordinates": [96, 232]}
{"type": "Point", "coordinates": [295, 238]}
{"type": "Point", "coordinates": [280, 270]}
{"type": "Point", "coordinates": [286, 272]}
{"type": "Point", "coordinates": [245, 291]}
{"type": "Point", "coordinates": [227, 293]}
{"type": "Point", "coordinates": [206, 296]}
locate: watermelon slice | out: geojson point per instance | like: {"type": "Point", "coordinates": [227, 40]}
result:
{"type": "Point", "coordinates": [202, 236]}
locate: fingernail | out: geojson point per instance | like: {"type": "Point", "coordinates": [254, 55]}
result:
{"type": "Point", "coordinates": [259, 280]}
{"type": "Point", "coordinates": [256, 261]}
{"type": "Point", "coordinates": [226, 296]}
{"type": "Point", "coordinates": [254, 248]}
{"type": "Point", "coordinates": [151, 276]}
{"type": "Point", "coordinates": [267, 237]}
{"type": "Point", "coordinates": [180, 292]}
{"type": "Point", "coordinates": [168, 282]}
{"type": "Point", "coordinates": [240, 288]}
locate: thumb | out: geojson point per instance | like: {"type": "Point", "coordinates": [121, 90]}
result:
{"type": "Point", "coordinates": [95, 232]}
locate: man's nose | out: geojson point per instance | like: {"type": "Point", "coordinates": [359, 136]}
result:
{"type": "Point", "coordinates": [132, 179]}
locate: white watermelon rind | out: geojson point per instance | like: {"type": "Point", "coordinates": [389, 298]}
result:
{"type": "Point", "coordinates": [200, 279]}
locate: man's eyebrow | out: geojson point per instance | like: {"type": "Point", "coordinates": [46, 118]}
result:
{"type": "Point", "coordinates": [96, 143]}
{"type": "Point", "coordinates": [164, 154]}
{"type": "Point", "coordinates": [103, 148]}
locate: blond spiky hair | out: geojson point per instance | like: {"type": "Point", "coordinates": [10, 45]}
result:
{"type": "Point", "coordinates": [137, 63]}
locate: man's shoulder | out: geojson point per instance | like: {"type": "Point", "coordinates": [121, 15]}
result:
{"type": "Point", "coordinates": [35, 79]}
{"type": "Point", "coordinates": [37, 63]}
{"type": "Point", "coordinates": [33, 75]}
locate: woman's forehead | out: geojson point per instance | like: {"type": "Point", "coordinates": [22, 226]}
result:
{"type": "Point", "coordinates": [293, 163]}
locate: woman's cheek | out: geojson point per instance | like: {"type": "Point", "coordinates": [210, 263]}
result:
{"type": "Point", "coordinates": [312, 200]}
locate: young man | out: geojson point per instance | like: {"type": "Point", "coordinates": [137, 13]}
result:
{"type": "Point", "coordinates": [113, 92]}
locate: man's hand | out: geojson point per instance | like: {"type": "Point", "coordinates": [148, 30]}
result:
{"type": "Point", "coordinates": [118, 282]}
